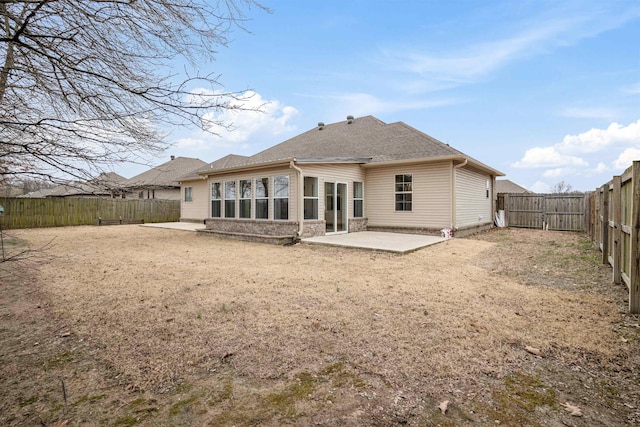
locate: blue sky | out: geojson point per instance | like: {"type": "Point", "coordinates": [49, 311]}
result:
{"type": "Point", "coordinates": [544, 91]}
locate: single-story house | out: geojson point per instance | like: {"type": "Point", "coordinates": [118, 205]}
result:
{"type": "Point", "coordinates": [354, 175]}
{"type": "Point", "coordinates": [508, 186]}
{"type": "Point", "coordinates": [161, 182]}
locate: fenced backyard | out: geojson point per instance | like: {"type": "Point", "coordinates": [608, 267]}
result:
{"type": "Point", "coordinates": [610, 216]}
{"type": "Point", "coordinates": [58, 212]}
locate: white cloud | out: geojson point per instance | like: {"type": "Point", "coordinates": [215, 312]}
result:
{"type": "Point", "coordinates": [540, 187]}
{"type": "Point", "coordinates": [633, 89]}
{"type": "Point", "coordinates": [588, 113]}
{"type": "Point", "coordinates": [626, 158]}
{"type": "Point", "coordinates": [601, 168]}
{"type": "Point", "coordinates": [547, 157]}
{"type": "Point", "coordinates": [254, 115]}
{"type": "Point", "coordinates": [251, 116]}
{"type": "Point", "coordinates": [596, 140]}
{"type": "Point", "coordinates": [557, 172]}
{"type": "Point", "coordinates": [563, 154]}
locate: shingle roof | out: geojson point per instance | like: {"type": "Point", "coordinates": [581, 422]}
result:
{"type": "Point", "coordinates": [366, 138]}
{"type": "Point", "coordinates": [225, 162]}
{"type": "Point", "coordinates": [507, 186]}
{"type": "Point", "coordinates": [104, 184]}
{"type": "Point", "coordinates": [166, 174]}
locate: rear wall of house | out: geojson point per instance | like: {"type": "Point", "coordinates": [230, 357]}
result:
{"type": "Point", "coordinates": [432, 203]}
{"type": "Point", "coordinates": [473, 197]}
{"type": "Point", "coordinates": [198, 208]}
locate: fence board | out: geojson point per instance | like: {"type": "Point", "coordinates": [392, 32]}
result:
{"type": "Point", "coordinates": [58, 212]}
{"type": "Point", "coordinates": [563, 212]}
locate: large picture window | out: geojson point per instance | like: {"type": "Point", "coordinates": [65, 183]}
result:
{"type": "Point", "coordinates": [404, 192]}
{"type": "Point", "coordinates": [281, 197]}
{"type": "Point", "coordinates": [358, 200]}
{"type": "Point", "coordinates": [262, 198]}
{"type": "Point", "coordinates": [216, 200]}
{"type": "Point", "coordinates": [310, 197]}
{"type": "Point", "coordinates": [245, 198]}
{"type": "Point", "coordinates": [230, 199]}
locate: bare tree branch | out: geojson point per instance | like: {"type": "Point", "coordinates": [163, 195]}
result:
{"type": "Point", "coordinates": [86, 85]}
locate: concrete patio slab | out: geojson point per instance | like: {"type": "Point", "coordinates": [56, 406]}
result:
{"type": "Point", "coordinates": [376, 240]}
{"type": "Point", "coordinates": [186, 226]}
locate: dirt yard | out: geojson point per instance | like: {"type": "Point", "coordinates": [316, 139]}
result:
{"type": "Point", "coordinates": [127, 325]}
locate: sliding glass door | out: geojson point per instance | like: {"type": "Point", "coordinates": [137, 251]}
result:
{"type": "Point", "coordinates": [335, 207]}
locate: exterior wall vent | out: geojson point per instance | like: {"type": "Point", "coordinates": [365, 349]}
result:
{"type": "Point", "coordinates": [320, 125]}
{"type": "Point", "coordinates": [349, 119]}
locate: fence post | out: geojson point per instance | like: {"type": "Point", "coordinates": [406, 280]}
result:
{"type": "Point", "coordinates": [634, 276]}
{"type": "Point", "coordinates": [605, 224]}
{"type": "Point", "coordinates": [617, 230]}
{"type": "Point", "coordinates": [506, 209]}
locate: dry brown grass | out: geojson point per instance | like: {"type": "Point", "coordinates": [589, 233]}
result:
{"type": "Point", "coordinates": [225, 332]}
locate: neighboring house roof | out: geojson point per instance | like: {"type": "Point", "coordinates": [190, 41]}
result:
{"type": "Point", "coordinates": [507, 186]}
{"type": "Point", "coordinates": [107, 183]}
{"type": "Point", "coordinates": [365, 140]}
{"type": "Point", "coordinates": [166, 174]}
{"type": "Point", "coordinates": [38, 194]}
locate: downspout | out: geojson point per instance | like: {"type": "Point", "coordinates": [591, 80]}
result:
{"type": "Point", "coordinates": [453, 192]}
{"type": "Point", "coordinates": [292, 165]}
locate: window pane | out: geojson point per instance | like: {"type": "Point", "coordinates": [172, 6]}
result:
{"type": "Point", "coordinates": [188, 194]}
{"type": "Point", "coordinates": [310, 186]}
{"type": "Point", "coordinates": [281, 186]}
{"type": "Point", "coordinates": [245, 189]}
{"type": "Point", "coordinates": [281, 208]}
{"type": "Point", "coordinates": [230, 190]}
{"type": "Point", "coordinates": [310, 208]}
{"type": "Point", "coordinates": [262, 187]}
{"type": "Point", "coordinates": [358, 209]}
{"type": "Point", "coordinates": [262, 209]}
{"type": "Point", "coordinates": [245, 208]}
{"type": "Point", "coordinates": [215, 191]}
{"type": "Point", "coordinates": [229, 208]}
{"type": "Point", "coordinates": [357, 190]}
{"type": "Point", "coordinates": [215, 209]}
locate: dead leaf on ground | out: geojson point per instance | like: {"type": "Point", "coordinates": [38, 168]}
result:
{"type": "Point", "coordinates": [574, 410]}
{"type": "Point", "coordinates": [534, 351]}
{"type": "Point", "coordinates": [443, 406]}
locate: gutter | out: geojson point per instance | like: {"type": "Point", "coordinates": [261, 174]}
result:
{"type": "Point", "coordinates": [292, 165]}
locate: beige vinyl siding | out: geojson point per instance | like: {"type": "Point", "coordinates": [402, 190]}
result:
{"type": "Point", "coordinates": [473, 207]}
{"type": "Point", "coordinates": [263, 173]}
{"type": "Point", "coordinates": [198, 208]}
{"type": "Point", "coordinates": [334, 173]}
{"type": "Point", "coordinates": [157, 193]}
{"type": "Point", "coordinates": [431, 206]}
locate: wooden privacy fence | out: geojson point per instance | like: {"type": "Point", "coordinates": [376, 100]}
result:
{"type": "Point", "coordinates": [57, 212]}
{"type": "Point", "coordinates": [560, 212]}
{"type": "Point", "coordinates": [614, 227]}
